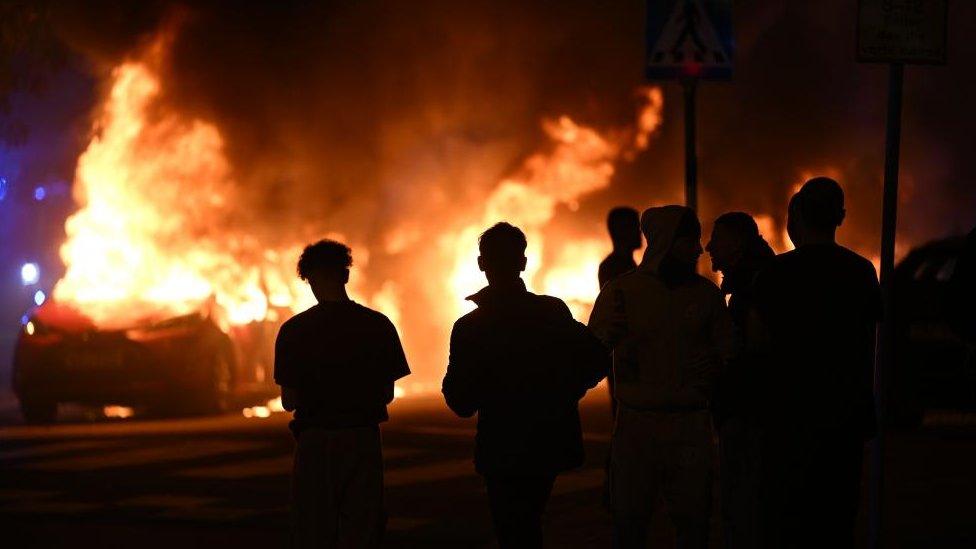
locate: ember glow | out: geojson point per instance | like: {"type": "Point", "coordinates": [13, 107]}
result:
{"type": "Point", "coordinates": [115, 411]}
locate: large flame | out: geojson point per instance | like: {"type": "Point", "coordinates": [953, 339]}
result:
{"type": "Point", "coordinates": [160, 229]}
{"type": "Point", "coordinates": [581, 161]}
{"type": "Point", "coordinates": [160, 232]}
{"type": "Point", "coordinates": [155, 235]}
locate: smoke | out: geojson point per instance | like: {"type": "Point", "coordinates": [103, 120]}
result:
{"type": "Point", "coordinates": [370, 119]}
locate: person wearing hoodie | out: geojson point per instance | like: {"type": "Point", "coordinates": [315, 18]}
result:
{"type": "Point", "coordinates": [521, 362]}
{"type": "Point", "coordinates": [670, 333]}
{"type": "Point", "coordinates": [739, 252]}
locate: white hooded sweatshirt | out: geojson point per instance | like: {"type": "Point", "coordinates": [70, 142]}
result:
{"type": "Point", "coordinates": [669, 342]}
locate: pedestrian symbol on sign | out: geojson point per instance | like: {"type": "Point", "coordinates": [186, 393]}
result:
{"type": "Point", "coordinates": [689, 38]}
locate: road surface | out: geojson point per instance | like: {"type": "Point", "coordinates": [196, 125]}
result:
{"type": "Point", "coordinates": [223, 482]}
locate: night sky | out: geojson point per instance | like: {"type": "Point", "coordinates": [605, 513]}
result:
{"type": "Point", "coordinates": [371, 106]}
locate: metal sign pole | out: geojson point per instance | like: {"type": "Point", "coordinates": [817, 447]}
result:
{"type": "Point", "coordinates": [886, 332]}
{"type": "Point", "coordinates": [689, 40]}
{"type": "Point", "coordinates": [690, 85]}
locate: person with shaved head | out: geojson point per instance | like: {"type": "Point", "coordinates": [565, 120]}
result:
{"type": "Point", "coordinates": [521, 363]}
{"type": "Point", "coordinates": [820, 304]}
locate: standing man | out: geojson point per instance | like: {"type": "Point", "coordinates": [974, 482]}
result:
{"type": "Point", "coordinates": [521, 363]}
{"type": "Point", "coordinates": [336, 364]}
{"type": "Point", "coordinates": [820, 304]}
{"type": "Point", "coordinates": [623, 223]}
{"type": "Point", "coordinates": [740, 253]}
{"type": "Point", "coordinates": [670, 333]}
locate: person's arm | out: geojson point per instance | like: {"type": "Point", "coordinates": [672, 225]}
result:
{"type": "Point", "coordinates": [722, 341]}
{"type": "Point", "coordinates": [286, 369]}
{"type": "Point", "coordinates": [607, 321]}
{"type": "Point", "coordinates": [461, 382]}
{"type": "Point", "coordinates": [289, 398]}
{"type": "Point", "coordinates": [396, 360]}
{"type": "Point", "coordinates": [596, 360]}
{"type": "Point", "coordinates": [724, 338]}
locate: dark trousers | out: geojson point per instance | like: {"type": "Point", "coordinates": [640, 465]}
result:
{"type": "Point", "coordinates": [337, 488]}
{"type": "Point", "coordinates": [517, 504]}
{"type": "Point", "coordinates": [661, 455]}
{"type": "Point", "coordinates": [812, 489]}
{"type": "Point", "coordinates": [740, 473]}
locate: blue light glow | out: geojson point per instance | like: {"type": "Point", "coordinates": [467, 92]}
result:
{"type": "Point", "coordinates": [40, 193]}
{"type": "Point", "coordinates": [24, 320]}
{"type": "Point", "coordinates": [3, 188]}
{"type": "Point", "coordinates": [39, 297]}
{"type": "Point", "coordinates": [30, 273]}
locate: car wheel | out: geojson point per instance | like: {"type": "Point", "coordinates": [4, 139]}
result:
{"type": "Point", "coordinates": [38, 410]}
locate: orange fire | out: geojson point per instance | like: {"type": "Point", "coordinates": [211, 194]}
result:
{"type": "Point", "coordinates": [157, 231]}
{"type": "Point", "coordinates": [581, 161]}
{"type": "Point", "coordinates": [154, 236]}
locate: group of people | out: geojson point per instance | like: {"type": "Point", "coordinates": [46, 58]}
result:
{"type": "Point", "coordinates": [776, 364]}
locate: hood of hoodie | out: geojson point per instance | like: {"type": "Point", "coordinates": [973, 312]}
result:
{"type": "Point", "coordinates": [659, 226]}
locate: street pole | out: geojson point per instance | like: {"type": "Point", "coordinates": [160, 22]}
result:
{"type": "Point", "coordinates": [886, 332]}
{"type": "Point", "coordinates": [690, 85]}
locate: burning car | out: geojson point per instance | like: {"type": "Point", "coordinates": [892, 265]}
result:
{"type": "Point", "coordinates": [185, 364]}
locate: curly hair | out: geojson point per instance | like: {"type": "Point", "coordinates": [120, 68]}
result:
{"type": "Point", "coordinates": [324, 256]}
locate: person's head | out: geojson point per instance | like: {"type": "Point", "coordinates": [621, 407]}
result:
{"type": "Point", "coordinates": [732, 233]}
{"type": "Point", "coordinates": [624, 226]}
{"type": "Point", "coordinates": [681, 259]}
{"type": "Point", "coordinates": [502, 249]}
{"type": "Point", "coordinates": [815, 212]}
{"type": "Point", "coordinates": [325, 266]}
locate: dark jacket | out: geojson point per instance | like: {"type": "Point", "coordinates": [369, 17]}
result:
{"type": "Point", "coordinates": [741, 387]}
{"type": "Point", "coordinates": [820, 304]}
{"type": "Point", "coordinates": [521, 362]}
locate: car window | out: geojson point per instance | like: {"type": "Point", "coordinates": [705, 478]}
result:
{"type": "Point", "coordinates": [928, 266]}
{"type": "Point", "coordinates": [945, 271]}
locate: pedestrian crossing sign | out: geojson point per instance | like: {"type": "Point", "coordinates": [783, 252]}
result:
{"type": "Point", "coordinates": [689, 39]}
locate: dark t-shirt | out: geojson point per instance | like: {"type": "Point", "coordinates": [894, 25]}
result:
{"type": "Point", "coordinates": [342, 359]}
{"type": "Point", "coordinates": [821, 304]}
{"type": "Point", "coordinates": [614, 265]}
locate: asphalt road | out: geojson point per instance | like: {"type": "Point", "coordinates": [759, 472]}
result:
{"type": "Point", "coordinates": [223, 482]}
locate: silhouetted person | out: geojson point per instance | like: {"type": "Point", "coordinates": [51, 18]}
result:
{"type": "Point", "coordinates": [820, 304]}
{"type": "Point", "coordinates": [624, 226]}
{"type": "Point", "coordinates": [740, 253]}
{"type": "Point", "coordinates": [670, 333]}
{"type": "Point", "coordinates": [336, 364]}
{"type": "Point", "coordinates": [521, 363]}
